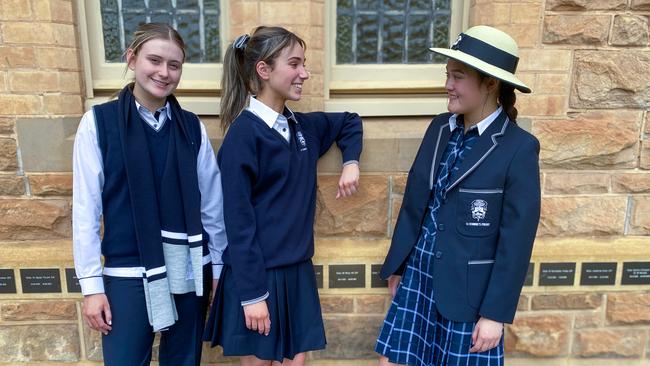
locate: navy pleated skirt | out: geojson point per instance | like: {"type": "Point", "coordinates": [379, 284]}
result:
{"type": "Point", "coordinates": [294, 308]}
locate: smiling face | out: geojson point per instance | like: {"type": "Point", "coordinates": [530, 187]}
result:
{"type": "Point", "coordinates": [465, 89]}
{"type": "Point", "coordinates": [284, 79]}
{"type": "Point", "coordinates": [157, 66]}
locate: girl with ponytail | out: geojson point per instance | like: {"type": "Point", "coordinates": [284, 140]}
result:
{"type": "Point", "coordinates": [266, 309]}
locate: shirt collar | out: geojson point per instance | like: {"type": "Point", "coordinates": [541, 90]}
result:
{"type": "Point", "coordinates": [266, 113]}
{"type": "Point", "coordinates": [482, 126]}
{"type": "Point", "coordinates": [144, 111]}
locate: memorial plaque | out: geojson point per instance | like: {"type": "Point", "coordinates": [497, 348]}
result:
{"type": "Point", "coordinates": [598, 273]}
{"type": "Point", "coordinates": [318, 269]}
{"type": "Point", "coordinates": [7, 281]}
{"type": "Point", "coordinates": [375, 280]}
{"type": "Point", "coordinates": [636, 273]}
{"type": "Point", "coordinates": [557, 274]}
{"type": "Point", "coordinates": [40, 280]}
{"type": "Point", "coordinates": [347, 276]}
{"type": "Point", "coordinates": [529, 275]}
{"type": "Point", "coordinates": [72, 281]}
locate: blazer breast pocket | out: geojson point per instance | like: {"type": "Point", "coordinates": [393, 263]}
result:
{"type": "Point", "coordinates": [479, 211]}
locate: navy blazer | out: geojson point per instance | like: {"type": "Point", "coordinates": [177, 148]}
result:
{"type": "Point", "coordinates": [486, 225]}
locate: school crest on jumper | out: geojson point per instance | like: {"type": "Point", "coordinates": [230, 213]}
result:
{"type": "Point", "coordinates": [301, 141]}
{"type": "Point", "coordinates": [479, 209]}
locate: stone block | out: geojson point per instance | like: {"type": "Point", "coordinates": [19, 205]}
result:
{"type": "Point", "coordinates": [372, 304]}
{"type": "Point", "coordinates": [609, 343]}
{"type": "Point", "coordinates": [51, 184]}
{"type": "Point", "coordinates": [538, 336]}
{"type": "Point", "coordinates": [579, 5]}
{"type": "Point", "coordinates": [24, 219]}
{"type": "Point", "coordinates": [8, 158]}
{"type": "Point", "coordinates": [640, 220]}
{"type": "Point", "coordinates": [11, 185]}
{"type": "Point", "coordinates": [580, 215]}
{"type": "Point", "coordinates": [350, 337]}
{"type": "Point", "coordinates": [567, 301]}
{"type": "Point", "coordinates": [576, 183]}
{"type": "Point", "coordinates": [336, 304]}
{"type": "Point", "coordinates": [631, 183]}
{"type": "Point", "coordinates": [38, 310]}
{"type": "Point", "coordinates": [630, 30]}
{"type": "Point", "coordinates": [576, 29]}
{"type": "Point", "coordinates": [34, 343]}
{"type": "Point", "coordinates": [628, 308]}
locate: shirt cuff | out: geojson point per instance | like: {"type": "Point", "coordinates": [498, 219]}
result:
{"type": "Point", "coordinates": [92, 285]}
{"type": "Point", "coordinates": [216, 271]}
{"type": "Point", "coordinates": [255, 301]}
{"type": "Point", "coordinates": [351, 162]}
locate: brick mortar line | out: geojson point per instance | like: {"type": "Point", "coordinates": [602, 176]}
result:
{"type": "Point", "coordinates": [628, 215]}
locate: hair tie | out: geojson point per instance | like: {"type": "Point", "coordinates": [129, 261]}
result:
{"type": "Point", "coordinates": [241, 41]}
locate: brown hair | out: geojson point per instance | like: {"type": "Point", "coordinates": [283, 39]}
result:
{"type": "Point", "coordinates": [506, 96]}
{"type": "Point", "coordinates": [239, 75]}
{"type": "Point", "coordinates": [148, 31]}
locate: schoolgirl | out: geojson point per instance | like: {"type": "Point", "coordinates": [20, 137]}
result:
{"type": "Point", "coordinates": [146, 168]}
{"type": "Point", "coordinates": [267, 307]}
{"type": "Point", "coordinates": [464, 234]}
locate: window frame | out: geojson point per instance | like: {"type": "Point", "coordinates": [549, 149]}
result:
{"type": "Point", "coordinates": [201, 81]}
{"type": "Point", "coordinates": [387, 89]}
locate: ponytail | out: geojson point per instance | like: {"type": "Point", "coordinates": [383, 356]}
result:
{"type": "Point", "coordinates": [239, 75]}
{"type": "Point", "coordinates": [507, 99]}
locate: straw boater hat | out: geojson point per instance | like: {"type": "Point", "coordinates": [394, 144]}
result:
{"type": "Point", "coordinates": [489, 50]}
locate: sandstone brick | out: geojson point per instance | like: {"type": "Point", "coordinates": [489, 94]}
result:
{"type": "Point", "coordinates": [609, 343]}
{"type": "Point", "coordinates": [399, 183]}
{"type": "Point", "coordinates": [336, 304]}
{"type": "Point", "coordinates": [11, 185]}
{"type": "Point", "coordinates": [552, 84]}
{"type": "Point", "coordinates": [628, 308]}
{"type": "Point", "coordinates": [371, 304]}
{"type": "Point", "coordinates": [558, 5]}
{"type": "Point", "coordinates": [644, 158]}
{"type": "Point", "coordinates": [20, 104]}
{"type": "Point", "coordinates": [55, 10]}
{"type": "Point", "coordinates": [576, 183]}
{"type": "Point", "coordinates": [63, 104]}
{"type": "Point", "coordinates": [640, 4]}
{"type": "Point", "coordinates": [317, 14]}
{"type": "Point", "coordinates": [38, 310]}
{"type": "Point", "coordinates": [69, 82]}
{"type": "Point", "coordinates": [647, 124]}
{"type": "Point", "coordinates": [525, 13]}
{"type": "Point", "coordinates": [525, 35]}
{"type": "Point", "coordinates": [538, 336]}
{"type": "Point", "coordinates": [93, 343]}
{"type": "Point", "coordinates": [7, 125]}
{"type": "Point", "coordinates": [640, 220]}
{"type": "Point", "coordinates": [246, 13]}
{"type": "Point", "coordinates": [630, 30]}
{"type": "Point", "coordinates": [566, 301]}
{"type": "Point", "coordinates": [588, 319]}
{"type": "Point", "coordinates": [541, 105]}
{"type": "Point", "coordinates": [396, 205]}
{"type": "Point", "coordinates": [590, 140]}
{"type": "Point", "coordinates": [576, 29]}
{"type": "Point", "coordinates": [33, 343]}
{"type": "Point", "coordinates": [57, 58]}
{"type": "Point", "coordinates": [365, 213]}
{"type": "Point", "coordinates": [574, 216]}
{"type": "Point", "coordinates": [272, 11]}
{"type": "Point", "coordinates": [546, 60]}
{"type": "Point", "coordinates": [17, 57]}
{"type": "Point", "coordinates": [15, 10]}
{"type": "Point", "coordinates": [34, 81]}
{"type": "Point", "coordinates": [34, 219]}
{"type": "Point", "coordinates": [350, 337]}
{"type": "Point", "coordinates": [493, 14]}
{"type": "Point", "coordinates": [8, 160]}
{"type": "Point", "coordinates": [51, 184]}
{"type": "Point", "coordinates": [41, 33]}
{"type": "Point", "coordinates": [524, 303]}
{"type": "Point", "coordinates": [610, 79]}
{"type": "Point", "coordinates": [631, 183]}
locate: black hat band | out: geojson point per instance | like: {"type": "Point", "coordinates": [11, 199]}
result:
{"type": "Point", "coordinates": [486, 52]}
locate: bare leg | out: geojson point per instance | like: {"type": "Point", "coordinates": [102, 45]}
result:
{"type": "Point", "coordinates": [253, 361]}
{"type": "Point", "coordinates": [383, 361]}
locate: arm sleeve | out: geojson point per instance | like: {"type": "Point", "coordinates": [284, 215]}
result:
{"type": "Point", "coordinates": [238, 162]}
{"type": "Point", "coordinates": [209, 178]}
{"type": "Point", "coordinates": [344, 128]}
{"type": "Point", "coordinates": [520, 217]}
{"type": "Point", "coordinates": [87, 182]}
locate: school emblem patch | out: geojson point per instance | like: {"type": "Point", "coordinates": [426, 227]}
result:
{"type": "Point", "coordinates": [479, 209]}
{"type": "Point", "coordinates": [455, 45]}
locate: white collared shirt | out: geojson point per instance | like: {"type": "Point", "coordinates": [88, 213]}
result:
{"type": "Point", "coordinates": [273, 119]}
{"type": "Point", "coordinates": [482, 126]}
{"type": "Point", "coordinates": [148, 116]}
{"type": "Point", "coordinates": [88, 183]}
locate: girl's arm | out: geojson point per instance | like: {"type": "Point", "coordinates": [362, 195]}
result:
{"type": "Point", "coordinates": [209, 178]}
{"type": "Point", "coordinates": [519, 219]}
{"type": "Point", "coordinates": [238, 163]}
{"type": "Point", "coordinates": [87, 183]}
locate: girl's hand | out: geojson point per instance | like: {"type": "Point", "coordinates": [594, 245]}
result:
{"type": "Point", "coordinates": [487, 335]}
{"type": "Point", "coordinates": [349, 182]}
{"type": "Point", "coordinates": [97, 313]}
{"type": "Point", "coordinates": [393, 283]}
{"type": "Point", "coordinates": [257, 317]}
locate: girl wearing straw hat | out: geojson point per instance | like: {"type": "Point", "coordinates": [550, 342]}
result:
{"type": "Point", "coordinates": [465, 232]}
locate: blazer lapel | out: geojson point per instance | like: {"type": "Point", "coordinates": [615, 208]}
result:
{"type": "Point", "coordinates": [481, 149]}
{"type": "Point", "coordinates": [439, 148]}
